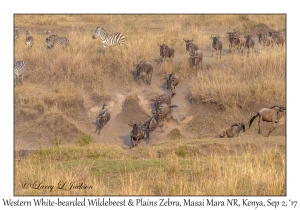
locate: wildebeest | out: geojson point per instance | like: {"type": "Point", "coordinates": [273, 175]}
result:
{"type": "Point", "coordinates": [16, 34]}
{"type": "Point", "coordinates": [164, 98]}
{"type": "Point", "coordinates": [277, 37]}
{"type": "Point", "coordinates": [102, 118]}
{"type": "Point", "coordinates": [166, 52]}
{"type": "Point", "coordinates": [136, 134]}
{"type": "Point", "coordinates": [238, 42]}
{"type": "Point", "coordinates": [172, 82]}
{"type": "Point", "coordinates": [148, 126]}
{"type": "Point", "coordinates": [196, 57]}
{"type": "Point", "coordinates": [274, 114]}
{"type": "Point", "coordinates": [146, 69]}
{"type": "Point", "coordinates": [161, 114]}
{"type": "Point", "coordinates": [230, 38]}
{"type": "Point", "coordinates": [250, 43]}
{"type": "Point", "coordinates": [265, 40]}
{"type": "Point", "coordinates": [19, 70]}
{"type": "Point", "coordinates": [216, 45]}
{"type": "Point", "coordinates": [234, 131]}
{"type": "Point", "coordinates": [190, 46]}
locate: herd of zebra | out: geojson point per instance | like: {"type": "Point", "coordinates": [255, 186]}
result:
{"type": "Point", "coordinates": [162, 103]}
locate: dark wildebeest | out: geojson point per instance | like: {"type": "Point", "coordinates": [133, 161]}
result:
{"type": "Point", "coordinates": [216, 45]}
{"type": "Point", "coordinates": [274, 114]}
{"type": "Point", "coordinates": [172, 82]}
{"type": "Point", "coordinates": [230, 38]}
{"type": "Point", "coordinates": [102, 118]}
{"type": "Point", "coordinates": [146, 69]}
{"type": "Point", "coordinates": [161, 114]}
{"type": "Point", "coordinates": [164, 98]}
{"type": "Point", "coordinates": [265, 40]}
{"type": "Point", "coordinates": [234, 131]}
{"type": "Point", "coordinates": [196, 57]}
{"type": "Point", "coordinates": [136, 134]}
{"type": "Point", "coordinates": [277, 37]}
{"type": "Point", "coordinates": [250, 43]}
{"type": "Point", "coordinates": [148, 126]}
{"type": "Point", "coordinates": [190, 46]}
{"type": "Point", "coordinates": [166, 52]}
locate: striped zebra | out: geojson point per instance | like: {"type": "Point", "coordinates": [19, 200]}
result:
{"type": "Point", "coordinates": [19, 69]}
{"type": "Point", "coordinates": [54, 40]}
{"type": "Point", "coordinates": [109, 39]}
{"type": "Point", "coordinates": [29, 40]}
{"type": "Point", "coordinates": [16, 34]}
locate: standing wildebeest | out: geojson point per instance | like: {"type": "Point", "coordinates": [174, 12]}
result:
{"type": "Point", "coordinates": [190, 46]}
{"type": "Point", "coordinates": [149, 126]}
{"type": "Point", "coordinates": [265, 40]}
{"type": "Point", "coordinates": [230, 38]}
{"type": "Point", "coordinates": [136, 134]}
{"type": "Point", "coordinates": [250, 43]}
{"type": "Point", "coordinates": [238, 42]}
{"type": "Point", "coordinates": [29, 40]}
{"type": "Point", "coordinates": [216, 45]}
{"type": "Point", "coordinates": [274, 114]}
{"type": "Point", "coordinates": [234, 130]}
{"type": "Point", "coordinates": [145, 69]}
{"type": "Point", "coordinates": [102, 118]}
{"type": "Point", "coordinates": [164, 98]}
{"type": "Point", "coordinates": [172, 82]}
{"type": "Point", "coordinates": [162, 113]}
{"type": "Point", "coordinates": [166, 52]}
{"type": "Point", "coordinates": [196, 57]}
{"type": "Point", "coordinates": [277, 37]}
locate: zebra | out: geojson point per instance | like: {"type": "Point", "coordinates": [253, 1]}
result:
{"type": "Point", "coordinates": [53, 40]}
{"type": "Point", "coordinates": [29, 40]}
{"type": "Point", "coordinates": [19, 69]}
{"type": "Point", "coordinates": [109, 39]}
{"type": "Point", "coordinates": [16, 34]}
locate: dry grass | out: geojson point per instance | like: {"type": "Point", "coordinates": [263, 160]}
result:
{"type": "Point", "coordinates": [203, 171]}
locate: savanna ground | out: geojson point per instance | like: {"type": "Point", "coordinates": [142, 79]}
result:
{"type": "Point", "coordinates": [64, 89]}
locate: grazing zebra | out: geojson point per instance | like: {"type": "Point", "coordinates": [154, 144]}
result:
{"type": "Point", "coordinates": [29, 40]}
{"type": "Point", "coordinates": [109, 39]}
{"type": "Point", "coordinates": [19, 69]}
{"type": "Point", "coordinates": [54, 40]}
{"type": "Point", "coordinates": [16, 34]}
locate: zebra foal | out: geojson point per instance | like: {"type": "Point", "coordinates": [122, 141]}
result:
{"type": "Point", "coordinates": [54, 40]}
{"type": "Point", "coordinates": [19, 69]}
{"type": "Point", "coordinates": [115, 39]}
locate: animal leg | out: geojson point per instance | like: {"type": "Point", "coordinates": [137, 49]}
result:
{"type": "Point", "coordinates": [259, 130]}
{"type": "Point", "coordinates": [274, 126]}
{"type": "Point", "coordinates": [212, 53]}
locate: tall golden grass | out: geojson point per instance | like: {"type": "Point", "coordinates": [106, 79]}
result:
{"type": "Point", "coordinates": [113, 171]}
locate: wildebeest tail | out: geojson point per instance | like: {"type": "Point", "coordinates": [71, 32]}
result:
{"type": "Point", "coordinates": [251, 120]}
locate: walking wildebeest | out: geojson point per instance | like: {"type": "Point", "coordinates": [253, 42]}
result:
{"type": "Point", "coordinates": [149, 126]}
{"type": "Point", "coordinates": [190, 46]}
{"type": "Point", "coordinates": [172, 82]}
{"type": "Point", "coordinates": [230, 38]}
{"type": "Point", "coordinates": [161, 114]}
{"type": "Point", "coordinates": [136, 134]}
{"type": "Point", "coordinates": [166, 52]}
{"type": "Point", "coordinates": [265, 40]}
{"type": "Point", "coordinates": [274, 114]}
{"type": "Point", "coordinates": [216, 45]}
{"type": "Point", "coordinates": [250, 43]}
{"type": "Point", "coordinates": [164, 98]}
{"type": "Point", "coordinates": [277, 37]}
{"type": "Point", "coordinates": [102, 118]}
{"type": "Point", "coordinates": [146, 69]}
{"type": "Point", "coordinates": [234, 131]}
{"type": "Point", "coordinates": [197, 56]}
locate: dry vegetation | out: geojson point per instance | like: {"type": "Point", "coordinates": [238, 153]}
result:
{"type": "Point", "coordinates": [63, 86]}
